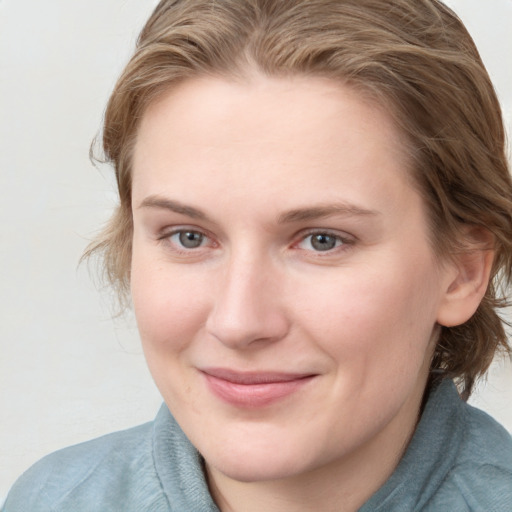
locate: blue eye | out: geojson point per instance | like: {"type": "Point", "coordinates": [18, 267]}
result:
{"type": "Point", "coordinates": [321, 242]}
{"type": "Point", "coordinates": [188, 239]}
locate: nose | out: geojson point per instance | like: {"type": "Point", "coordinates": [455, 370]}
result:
{"type": "Point", "coordinates": [248, 309]}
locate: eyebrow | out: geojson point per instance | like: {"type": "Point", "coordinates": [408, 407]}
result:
{"type": "Point", "coordinates": [296, 215]}
{"type": "Point", "coordinates": [323, 211]}
{"type": "Point", "coordinates": [174, 206]}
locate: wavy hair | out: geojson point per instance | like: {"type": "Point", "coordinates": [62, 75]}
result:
{"type": "Point", "coordinates": [414, 57]}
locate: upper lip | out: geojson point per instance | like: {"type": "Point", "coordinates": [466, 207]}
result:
{"type": "Point", "coordinates": [253, 377]}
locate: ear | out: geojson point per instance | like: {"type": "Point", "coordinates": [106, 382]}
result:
{"type": "Point", "coordinates": [466, 278]}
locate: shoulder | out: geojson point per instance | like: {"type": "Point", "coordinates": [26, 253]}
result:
{"type": "Point", "coordinates": [488, 441]}
{"type": "Point", "coordinates": [481, 476]}
{"type": "Point", "coordinates": [459, 459]}
{"type": "Point", "coordinates": [109, 471]}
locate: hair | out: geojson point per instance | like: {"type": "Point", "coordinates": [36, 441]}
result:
{"type": "Point", "coordinates": [414, 57]}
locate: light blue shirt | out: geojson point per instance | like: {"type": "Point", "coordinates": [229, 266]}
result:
{"type": "Point", "coordinates": [459, 460]}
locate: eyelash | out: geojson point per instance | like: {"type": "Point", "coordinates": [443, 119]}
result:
{"type": "Point", "coordinates": [168, 235]}
{"type": "Point", "coordinates": [343, 242]}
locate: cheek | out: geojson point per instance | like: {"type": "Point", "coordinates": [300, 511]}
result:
{"type": "Point", "coordinates": [169, 307]}
{"type": "Point", "coordinates": [170, 313]}
{"type": "Point", "coordinates": [375, 315]}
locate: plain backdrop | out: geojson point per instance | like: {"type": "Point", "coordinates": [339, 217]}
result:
{"type": "Point", "coordinates": [68, 371]}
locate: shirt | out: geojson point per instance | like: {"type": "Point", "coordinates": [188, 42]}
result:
{"type": "Point", "coordinates": [459, 460]}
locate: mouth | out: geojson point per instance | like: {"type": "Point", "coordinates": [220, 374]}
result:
{"type": "Point", "coordinates": [253, 389]}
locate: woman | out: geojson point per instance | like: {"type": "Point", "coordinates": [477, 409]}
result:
{"type": "Point", "coordinates": [315, 229]}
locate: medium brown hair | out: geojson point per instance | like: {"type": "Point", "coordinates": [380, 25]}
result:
{"type": "Point", "coordinates": [413, 56]}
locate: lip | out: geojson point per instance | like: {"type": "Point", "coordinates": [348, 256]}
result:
{"type": "Point", "coordinates": [253, 389]}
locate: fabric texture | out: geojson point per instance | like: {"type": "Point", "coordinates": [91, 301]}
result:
{"type": "Point", "coordinates": [459, 460]}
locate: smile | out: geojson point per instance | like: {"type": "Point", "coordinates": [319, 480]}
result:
{"type": "Point", "coordinates": [254, 389]}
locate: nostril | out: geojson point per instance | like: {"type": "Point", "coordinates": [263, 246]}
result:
{"type": "Point", "coordinates": [246, 310]}
{"type": "Point", "coordinates": [247, 328]}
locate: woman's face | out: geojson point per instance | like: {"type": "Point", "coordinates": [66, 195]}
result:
{"type": "Point", "coordinates": [282, 278]}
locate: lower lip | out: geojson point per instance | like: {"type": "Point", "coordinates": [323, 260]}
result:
{"type": "Point", "coordinates": [254, 395]}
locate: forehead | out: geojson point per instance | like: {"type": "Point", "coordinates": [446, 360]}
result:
{"type": "Point", "coordinates": [258, 97]}
{"type": "Point", "coordinates": [294, 132]}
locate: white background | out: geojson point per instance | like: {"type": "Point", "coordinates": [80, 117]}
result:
{"type": "Point", "coordinates": [68, 372]}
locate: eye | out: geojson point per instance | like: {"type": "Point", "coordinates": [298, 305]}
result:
{"type": "Point", "coordinates": [321, 242]}
{"type": "Point", "coordinates": [188, 239]}
{"type": "Point", "coordinates": [187, 243]}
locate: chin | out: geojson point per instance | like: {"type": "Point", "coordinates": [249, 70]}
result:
{"type": "Point", "coordinates": [257, 469]}
{"type": "Point", "coordinates": [263, 460]}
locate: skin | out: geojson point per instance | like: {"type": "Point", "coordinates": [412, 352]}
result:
{"type": "Point", "coordinates": [253, 168]}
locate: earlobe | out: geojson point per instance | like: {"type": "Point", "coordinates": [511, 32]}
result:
{"type": "Point", "coordinates": [467, 281]}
